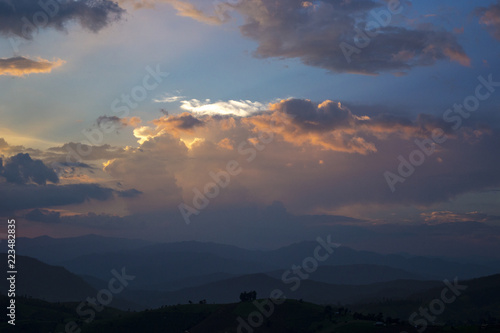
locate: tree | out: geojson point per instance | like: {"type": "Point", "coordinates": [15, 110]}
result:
{"type": "Point", "coordinates": [248, 296]}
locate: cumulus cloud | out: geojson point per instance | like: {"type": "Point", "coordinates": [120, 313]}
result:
{"type": "Point", "coordinates": [23, 18]}
{"type": "Point", "coordinates": [332, 126]}
{"type": "Point", "coordinates": [334, 153]}
{"type": "Point", "coordinates": [490, 18]}
{"type": "Point", "coordinates": [20, 66]}
{"type": "Point", "coordinates": [22, 169]}
{"type": "Point", "coordinates": [299, 146]}
{"type": "Point", "coordinates": [336, 35]}
{"type": "Point", "coordinates": [175, 125]}
{"type": "Point", "coordinates": [321, 35]}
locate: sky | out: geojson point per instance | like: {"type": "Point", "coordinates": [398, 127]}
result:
{"type": "Point", "coordinates": [254, 122]}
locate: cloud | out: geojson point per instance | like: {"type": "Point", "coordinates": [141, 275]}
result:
{"type": "Point", "coordinates": [18, 17]}
{"type": "Point", "coordinates": [21, 169]}
{"type": "Point", "coordinates": [336, 154]}
{"type": "Point", "coordinates": [186, 9]}
{"type": "Point", "coordinates": [239, 108]}
{"type": "Point", "coordinates": [318, 34]}
{"type": "Point", "coordinates": [111, 123]}
{"type": "Point", "coordinates": [452, 217]}
{"type": "Point", "coordinates": [45, 216]}
{"type": "Point", "coordinates": [17, 197]}
{"type": "Point", "coordinates": [20, 66]}
{"type": "Point", "coordinates": [332, 126]}
{"type": "Point", "coordinates": [490, 18]}
{"type": "Point", "coordinates": [168, 98]}
{"type": "Point", "coordinates": [175, 125]}
{"type": "Point", "coordinates": [77, 152]}
{"type": "Point", "coordinates": [183, 122]}
{"type": "Point", "coordinates": [132, 193]}
{"type": "Point", "coordinates": [333, 35]}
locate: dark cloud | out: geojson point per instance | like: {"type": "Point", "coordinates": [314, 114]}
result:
{"type": "Point", "coordinates": [326, 116]}
{"type": "Point", "coordinates": [108, 124]}
{"type": "Point", "coordinates": [109, 121]}
{"type": "Point", "coordinates": [333, 126]}
{"type": "Point", "coordinates": [24, 17]}
{"type": "Point", "coordinates": [15, 197]}
{"type": "Point", "coordinates": [129, 193]}
{"type": "Point", "coordinates": [22, 169]}
{"type": "Point", "coordinates": [185, 121]}
{"type": "Point", "coordinates": [45, 216]}
{"type": "Point", "coordinates": [320, 33]}
{"type": "Point", "coordinates": [76, 165]}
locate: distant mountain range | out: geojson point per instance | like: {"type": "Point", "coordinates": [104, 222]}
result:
{"type": "Point", "coordinates": [175, 273]}
{"type": "Point", "coordinates": [159, 265]}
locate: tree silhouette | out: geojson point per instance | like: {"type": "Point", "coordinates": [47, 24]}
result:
{"type": "Point", "coordinates": [248, 296]}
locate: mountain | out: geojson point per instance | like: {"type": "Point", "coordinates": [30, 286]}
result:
{"type": "Point", "coordinates": [56, 250]}
{"type": "Point", "coordinates": [53, 283]}
{"type": "Point", "coordinates": [426, 267]}
{"type": "Point", "coordinates": [34, 315]}
{"type": "Point", "coordinates": [163, 270]}
{"type": "Point", "coordinates": [42, 281]}
{"type": "Point", "coordinates": [355, 274]}
{"type": "Point", "coordinates": [172, 266]}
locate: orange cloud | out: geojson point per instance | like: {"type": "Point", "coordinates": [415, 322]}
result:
{"type": "Point", "coordinates": [186, 9]}
{"type": "Point", "coordinates": [449, 217]}
{"type": "Point", "coordinates": [20, 66]}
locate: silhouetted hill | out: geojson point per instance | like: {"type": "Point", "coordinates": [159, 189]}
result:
{"type": "Point", "coordinates": [34, 315]}
{"type": "Point", "coordinates": [479, 303]}
{"type": "Point", "coordinates": [228, 291]}
{"type": "Point", "coordinates": [56, 250]}
{"type": "Point", "coordinates": [53, 283]}
{"type": "Point", "coordinates": [46, 282]}
{"type": "Point", "coordinates": [355, 274]}
{"type": "Point", "coordinates": [163, 270]}
{"type": "Point", "coordinates": [429, 268]}
{"type": "Point", "coordinates": [172, 266]}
